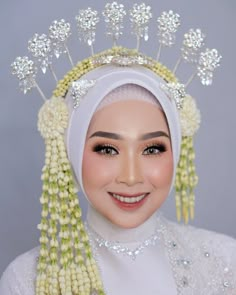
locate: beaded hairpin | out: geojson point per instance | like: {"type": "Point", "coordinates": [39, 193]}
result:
{"type": "Point", "coordinates": [43, 47]}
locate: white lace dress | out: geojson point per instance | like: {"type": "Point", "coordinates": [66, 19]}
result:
{"type": "Point", "coordinates": [159, 257]}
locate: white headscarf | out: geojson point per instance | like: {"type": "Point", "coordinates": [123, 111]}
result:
{"type": "Point", "coordinates": [107, 79]}
{"type": "Point", "coordinates": [114, 267]}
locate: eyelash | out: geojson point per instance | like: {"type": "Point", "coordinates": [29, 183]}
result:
{"type": "Point", "coordinates": [159, 146]}
{"type": "Point", "coordinates": [101, 148]}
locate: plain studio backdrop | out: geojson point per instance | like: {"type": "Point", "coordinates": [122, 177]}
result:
{"type": "Point", "coordinates": [22, 148]}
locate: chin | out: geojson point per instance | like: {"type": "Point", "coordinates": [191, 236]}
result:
{"type": "Point", "coordinates": [129, 221]}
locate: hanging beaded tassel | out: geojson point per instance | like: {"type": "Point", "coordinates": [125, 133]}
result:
{"type": "Point", "coordinates": [65, 265]}
{"type": "Point", "coordinates": [185, 181]}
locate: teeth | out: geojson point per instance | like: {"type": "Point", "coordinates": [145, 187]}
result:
{"type": "Point", "coordinates": [129, 200]}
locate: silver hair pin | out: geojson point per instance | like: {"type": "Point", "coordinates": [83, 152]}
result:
{"type": "Point", "coordinates": [59, 32]}
{"type": "Point", "coordinates": [209, 60]}
{"type": "Point", "coordinates": [192, 44]}
{"type": "Point", "coordinates": [79, 89]}
{"type": "Point", "coordinates": [140, 16]}
{"type": "Point", "coordinates": [176, 92]}
{"type": "Point", "coordinates": [43, 47]}
{"type": "Point", "coordinates": [40, 46]}
{"type": "Point", "coordinates": [86, 23]}
{"type": "Point", "coordinates": [168, 24]}
{"type": "Point", "coordinates": [26, 71]}
{"type": "Point", "coordinates": [114, 15]}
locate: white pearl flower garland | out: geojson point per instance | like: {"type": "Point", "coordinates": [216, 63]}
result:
{"type": "Point", "coordinates": [65, 265]}
{"type": "Point", "coordinates": [53, 118]}
{"type": "Point", "coordinates": [190, 117]}
{"type": "Point", "coordinates": [186, 178]}
{"type": "Point", "coordinates": [185, 181]}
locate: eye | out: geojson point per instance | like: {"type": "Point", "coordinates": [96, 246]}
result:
{"type": "Point", "coordinates": [154, 149]}
{"type": "Point", "coordinates": [105, 149]}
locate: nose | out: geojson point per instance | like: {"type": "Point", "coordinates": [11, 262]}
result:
{"type": "Point", "coordinates": [130, 171]}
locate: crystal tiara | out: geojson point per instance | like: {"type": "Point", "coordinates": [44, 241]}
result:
{"type": "Point", "coordinates": [44, 47]}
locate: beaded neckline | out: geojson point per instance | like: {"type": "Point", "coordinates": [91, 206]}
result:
{"type": "Point", "coordinates": [185, 258]}
{"type": "Point", "coordinates": [120, 248]}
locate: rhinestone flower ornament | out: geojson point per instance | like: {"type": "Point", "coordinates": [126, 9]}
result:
{"type": "Point", "coordinates": [86, 23]}
{"type": "Point", "coordinates": [140, 16]}
{"type": "Point", "coordinates": [59, 32]}
{"type": "Point", "coordinates": [193, 42]}
{"type": "Point", "coordinates": [208, 62]}
{"type": "Point", "coordinates": [26, 71]}
{"type": "Point", "coordinates": [114, 15]}
{"type": "Point", "coordinates": [168, 24]}
{"type": "Point", "coordinates": [79, 89]}
{"type": "Point", "coordinates": [40, 47]}
{"type": "Point", "coordinates": [23, 67]}
{"type": "Point", "coordinates": [176, 92]}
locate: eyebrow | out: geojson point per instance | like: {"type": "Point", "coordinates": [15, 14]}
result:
{"type": "Point", "coordinates": [120, 137]}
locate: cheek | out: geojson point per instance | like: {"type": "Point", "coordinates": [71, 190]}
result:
{"type": "Point", "coordinates": [160, 171]}
{"type": "Point", "coordinates": [96, 171]}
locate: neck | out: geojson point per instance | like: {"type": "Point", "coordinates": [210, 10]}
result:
{"type": "Point", "coordinates": [112, 232]}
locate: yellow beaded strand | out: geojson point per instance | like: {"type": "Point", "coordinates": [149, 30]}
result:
{"type": "Point", "coordinates": [75, 272]}
{"type": "Point", "coordinates": [185, 181]}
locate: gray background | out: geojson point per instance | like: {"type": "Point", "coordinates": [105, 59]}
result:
{"type": "Point", "coordinates": [22, 149]}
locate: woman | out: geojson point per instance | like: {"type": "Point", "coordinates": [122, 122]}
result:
{"type": "Point", "coordinates": [120, 132]}
{"type": "Point", "coordinates": [124, 155]}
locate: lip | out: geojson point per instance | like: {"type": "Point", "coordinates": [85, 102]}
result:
{"type": "Point", "coordinates": [129, 195]}
{"type": "Point", "coordinates": [129, 206]}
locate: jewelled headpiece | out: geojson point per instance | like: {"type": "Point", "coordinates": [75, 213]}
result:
{"type": "Point", "coordinates": [66, 264]}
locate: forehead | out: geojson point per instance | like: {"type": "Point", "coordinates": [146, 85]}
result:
{"type": "Point", "coordinates": [128, 116]}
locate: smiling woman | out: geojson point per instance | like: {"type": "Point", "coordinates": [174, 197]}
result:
{"type": "Point", "coordinates": [119, 128]}
{"type": "Point", "coordinates": [127, 165]}
{"type": "Point", "coordinates": [123, 143]}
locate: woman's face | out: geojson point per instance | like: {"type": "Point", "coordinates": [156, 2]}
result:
{"type": "Point", "coordinates": [127, 162]}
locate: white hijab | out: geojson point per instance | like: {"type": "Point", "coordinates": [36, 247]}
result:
{"type": "Point", "coordinates": [150, 273]}
{"type": "Point", "coordinates": [107, 79]}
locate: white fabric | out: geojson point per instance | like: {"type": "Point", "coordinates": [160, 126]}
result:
{"type": "Point", "coordinates": [160, 269]}
{"type": "Point", "coordinates": [108, 78]}
{"type": "Point", "coordinates": [128, 92]}
{"type": "Point", "coordinates": [122, 274]}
